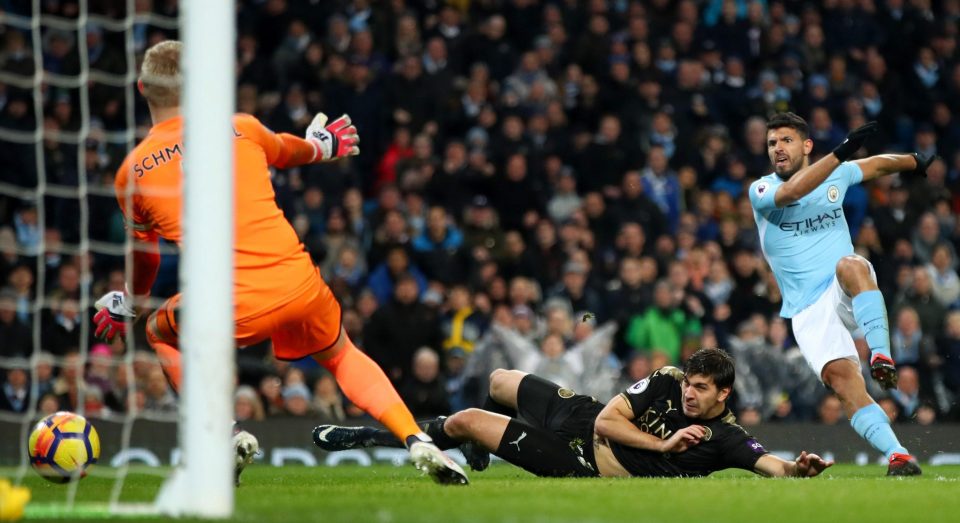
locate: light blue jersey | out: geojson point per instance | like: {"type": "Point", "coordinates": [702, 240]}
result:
{"type": "Point", "coordinates": [803, 241]}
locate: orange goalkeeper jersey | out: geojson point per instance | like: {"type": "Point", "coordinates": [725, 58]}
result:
{"type": "Point", "coordinates": [271, 265]}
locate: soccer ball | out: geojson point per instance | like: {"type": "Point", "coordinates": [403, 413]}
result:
{"type": "Point", "coordinates": [63, 446]}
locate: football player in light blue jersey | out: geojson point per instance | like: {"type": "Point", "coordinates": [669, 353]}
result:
{"type": "Point", "coordinates": [828, 291]}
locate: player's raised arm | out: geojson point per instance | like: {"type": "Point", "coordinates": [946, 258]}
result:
{"type": "Point", "coordinates": [884, 164]}
{"type": "Point", "coordinates": [323, 142]}
{"type": "Point", "coordinates": [800, 183]}
{"type": "Point", "coordinates": [805, 466]}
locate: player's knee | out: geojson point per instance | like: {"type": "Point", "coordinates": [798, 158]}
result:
{"type": "Point", "coordinates": [853, 272]}
{"type": "Point", "coordinates": [331, 357]}
{"type": "Point", "coordinates": [853, 266]}
{"type": "Point", "coordinates": [496, 377]}
{"type": "Point", "coordinates": [501, 380]}
{"type": "Point", "coordinates": [831, 376]}
{"type": "Point", "coordinates": [158, 331]}
{"type": "Point", "coordinates": [843, 377]}
{"type": "Point", "coordinates": [152, 334]}
{"type": "Point", "coordinates": [854, 261]}
{"type": "Point", "coordinates": [461, 423]}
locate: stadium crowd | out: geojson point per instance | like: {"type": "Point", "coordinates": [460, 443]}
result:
{"type": "Point", "coordinates": [552, 186]}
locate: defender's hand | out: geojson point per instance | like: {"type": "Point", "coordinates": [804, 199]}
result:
{"type": "Point", "coordinates": [683, 439]}
{"type": "Point", "coordinates": [855, 141]}
{"type": "Point", "coordinates": [884, 371]}
{"type": "Point", "coordinates": [333, 141]}
{"type": "Point", "coordinates": [113, 309]}
{"type": "Point", "coordinates": [923, 163]}
{"type": "Point", "coordinates": [810, 465]}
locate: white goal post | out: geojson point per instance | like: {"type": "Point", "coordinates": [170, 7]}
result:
{"type": "Point", "coordinates": [203, 484]}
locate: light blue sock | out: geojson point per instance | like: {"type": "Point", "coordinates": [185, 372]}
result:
{"type": "Point", "coordinates": [872, 424]}
{"type": "Point", "coordinates": [871, 315]}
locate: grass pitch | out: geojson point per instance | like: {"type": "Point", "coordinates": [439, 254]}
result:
{"type": "Point", "coordinates": [386, 494]}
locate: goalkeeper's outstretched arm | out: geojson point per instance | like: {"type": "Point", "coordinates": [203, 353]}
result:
{"type": "Point", "coordinates": [323, 142]}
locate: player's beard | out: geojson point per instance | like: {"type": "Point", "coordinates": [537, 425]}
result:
{"type": "Point", "coordinates": [792, 169]}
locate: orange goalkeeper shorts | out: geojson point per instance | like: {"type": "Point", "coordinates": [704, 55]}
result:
{"type": "Point", "coordinates": [307, 324]}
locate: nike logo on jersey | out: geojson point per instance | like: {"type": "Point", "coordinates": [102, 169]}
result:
{"type": "Point", "coordinates": [517, 443]}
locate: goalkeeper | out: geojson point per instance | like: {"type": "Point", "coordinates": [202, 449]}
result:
{"type": "Point", "coordinates": [278, 292]}
{"type": "Point", "coordinates": [673, 424]}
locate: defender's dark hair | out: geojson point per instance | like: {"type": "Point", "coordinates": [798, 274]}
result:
{"type": "Point", "coordinates": [714, 363]}
{"type": "Point", "coordinates": [790, 120]}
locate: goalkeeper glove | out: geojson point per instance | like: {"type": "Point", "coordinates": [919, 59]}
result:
{"type": "Point", "coordinates": [923, 163]}
{"type": "Point", "coordinates": [113, 309]}
{"type": "Point", "coordinates": [854, 141]}
{"type": "Point", "coordinates": [333, 141]}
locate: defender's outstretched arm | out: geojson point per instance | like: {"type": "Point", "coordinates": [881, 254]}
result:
{"type": "Point", "coordinates": [805, 466]}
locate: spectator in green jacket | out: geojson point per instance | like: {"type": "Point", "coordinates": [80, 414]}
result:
{"type": "Point", "coordinates": [665, 327]}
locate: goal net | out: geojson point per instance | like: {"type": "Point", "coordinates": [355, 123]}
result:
{"type": "Point", "coordinates": [69, 113]}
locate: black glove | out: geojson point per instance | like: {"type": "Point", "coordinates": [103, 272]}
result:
{"type": "Point", "coordinates": [854, 141]}
{"type": "Point", "coordinates": [923, 163]}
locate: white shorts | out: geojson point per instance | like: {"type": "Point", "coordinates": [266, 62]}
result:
{"type": "Point", "coordinates": [825, 330]}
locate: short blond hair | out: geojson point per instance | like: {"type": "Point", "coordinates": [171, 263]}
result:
{"type": "Point", "coordinates": [160, 74]}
